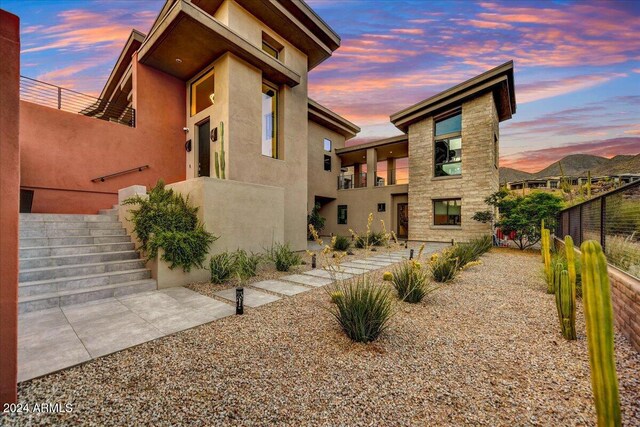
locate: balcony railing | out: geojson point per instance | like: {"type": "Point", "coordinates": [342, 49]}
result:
{"type": "Point", "coordinates": [68, 100]}
{"type": "Point", "coordinates": [392, 177]}
{"type": "Point", "coordinates": [346, 182]}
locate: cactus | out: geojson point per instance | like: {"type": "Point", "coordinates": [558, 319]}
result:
{"type": "Point", "coordinates": [220, 162]}
{"type": "Point", "coordinates": [571, 270]}
{"type": "Point", "coordinates": [542, 243]}
{"type": "Point", "coordinates": [588, 184]}
{"type": "Point", "coordinates": [547, 261]}
{"type": "Point", "coordinates": [566, 301]}
{"type": "Point", "coordinates": [598, 313]}
{"type": "Point", "coordinates": [557, 277]}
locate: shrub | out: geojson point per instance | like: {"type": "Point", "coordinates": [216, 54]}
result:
{"type": "Point", "coordinates": [222, 267]}
{"type": "Point", "coordinates": [368, 240]}
{"type": "Point", "coordinates": [246, 265]}
{"type": "Point", "coordinates": [341, 243]}
{"type": "Point", "coordinates": [412, 282]}
{"type": "Point", "coordinates": [283, 257]}
{"type": "Point", "coordinates": [364, 309]}
{"type": "Point", "coordinates": [378, 238]}
{"type": "Point", "coordinates": [316, 220]}
{"type": "Point", "coordinates": [464, 252]}
{"type": "Point", "coordinates": [166, 220]}
{"type": "Point", "coordinates": [444, 267]}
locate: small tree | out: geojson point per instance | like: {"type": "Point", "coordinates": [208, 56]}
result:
{"type": "Point", "coordinates": [314, 218]}
{"type": "Point", "coordinates": [523, 215]}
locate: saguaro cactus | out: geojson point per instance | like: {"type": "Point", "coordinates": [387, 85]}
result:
{"type": "Point", "coordinates": [220, 162]}
{"type": "Point", "coordinates": [557, 277]}
{"type": "Point", "coordinates": [547, 261]}
{"type": "Point", "coordinates": [571, 270]}
{"type": "Point", "coordinates": [598, 311]}
{"type": "Point", "coordinates": [566, 298]}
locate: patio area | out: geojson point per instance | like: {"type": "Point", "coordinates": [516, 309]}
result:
{"type": "Point", "coordinates": [484, 350]}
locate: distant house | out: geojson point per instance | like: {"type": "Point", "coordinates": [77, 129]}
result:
{"type": "Point", "coordinates": [554, 183]}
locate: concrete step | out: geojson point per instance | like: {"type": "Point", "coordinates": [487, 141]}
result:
{"type": "Point", "coordinates": [111, 211]}
{"type": "Point", "coordinates": [79, 282]}
{"type": "Point", "coordinates": [53, 261]}
{"type": "Point", "coordinates": [63, 225]}
{"type": "Point", "coordinates": [31, 242]}
{"type": "Point", "coordinates": [66, 217]}
{"type": "Point", "coordinates": [48, 251]}
{"type": "Point", "coordinates": [77, 296]}
{"type": "Point", "coordinates": [34, 274]}
{"type": "Point", "coordinates": [73, 232]}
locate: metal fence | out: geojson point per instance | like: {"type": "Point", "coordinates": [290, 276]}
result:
{"type": "Point", "coordinates": [53, 96]}
{"type": "Point", "coordinates": [613, 219]}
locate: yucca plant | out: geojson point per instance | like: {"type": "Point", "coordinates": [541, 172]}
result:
{"type": "Point", "coordinates": [444, 267]}
{"type": "Point", "coordinates": [246, 265]}
{"type": "Point", "coordinates": [221, 267]}
{"type": "Point", "coordinates": [283, 257]}
{"type": "Point", "coordinates": [341, 243]}
{"type": "Point", "coordinates": [412, 282]}
{"type": "Point", "coordinates": [598, 314]}
{"type": "Point", "coordinates": [362, 308]}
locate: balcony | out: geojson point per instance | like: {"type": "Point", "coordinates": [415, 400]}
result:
{"type": "Point", "coordinates": [346, 182]}
{"type": "Point", "coordinates": [392, 177]}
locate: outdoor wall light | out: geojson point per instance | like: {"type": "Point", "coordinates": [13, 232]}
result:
{"type": "Point", "coordinates": [313, 261]}
{"type": "Point", "coordinates": [410, 253]}
{"type": "Point", "coordinates": [185, 129]}
{"type": "Point", "coordinates": [239, 300]}
{"type": "Point", "coordinates": [179, 61]}
{"type": "Point", "coordinates": [212, 96]}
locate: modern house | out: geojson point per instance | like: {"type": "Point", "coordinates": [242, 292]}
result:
{"type": "Point", "coordinates": [214, 101]}
{"type": "Point", "coordinates": [555, 183]}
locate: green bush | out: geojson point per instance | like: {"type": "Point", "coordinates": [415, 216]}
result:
{"type": "Point", "coordinates": [166, 220]}
{"type": "Point", "coordinates": [411, 280]}
{"type": "Point", "coordinates": [341, 243]}
{"type": "Point", "coordinates": [314, 218]}
{"type": "Point", "coordinates": [444, 267]}
{"type": "Point", "coordinates": [464, 252]}
{"type": "Point", "coordinates": [363, 309]}
{"type": "Point", "coordinates": [368, 240]}
{"type": "Point", "coordinates": [246, 265]}
{"type": "Point", "coordinates": [283, 257]}
{"type": "Point", "coordinates": [222, 267]}
{"type": "Point", "coordinates": [378, 238]}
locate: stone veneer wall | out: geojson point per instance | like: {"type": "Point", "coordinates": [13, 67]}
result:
{"type": "Point", "coordinates": [478, 180]}
{"type": "Point", "coordinates": [625, 296]}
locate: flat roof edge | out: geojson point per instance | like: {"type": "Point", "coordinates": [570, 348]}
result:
{"type": "Point", "coordinates": [327, 114]}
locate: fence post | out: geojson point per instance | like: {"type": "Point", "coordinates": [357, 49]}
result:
{"type": "Point", "coordinates": [59, 98]}
{"type": "Point", "coordinates": [580, 231]}
{"type": "Point", "coordinates": [603, 218]}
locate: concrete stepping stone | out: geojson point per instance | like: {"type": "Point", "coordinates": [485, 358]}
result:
{"type": "Point", "coordinates": [329, 275]}
{"type": "Point", "coordinates": [351, 270]}
{"type": "Point", "coordinates": [280, 287]}
{"type": "Point", "coordinates": [372, 262]}
{"type": "Point", "coordinates": [308, 280]}
{"type": "Point", "coordinates": [362, 266]}
{"type": "Point", "coordinates": [252, 297]}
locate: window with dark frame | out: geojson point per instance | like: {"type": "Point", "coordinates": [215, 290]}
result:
{"type": "Point", "coordinates": [448, 144]}
{"type": "Point", "coordinates": [447, 212]}
{"type": "Point", "coordinates": [342, 214]}
{"type": "Point", "coordinates": [270, 120]}
{"type": "Point", "coordinates": [327, 163]}
{"type": "Point", "coordinates": [270, 49]}
{"type": "Point", "coordinates": [382, 207]}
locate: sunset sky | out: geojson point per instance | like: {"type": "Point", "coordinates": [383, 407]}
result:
{"type": "Point", "coordinates": [577, 64]}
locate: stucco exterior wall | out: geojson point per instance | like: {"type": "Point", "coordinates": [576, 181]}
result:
{"type": "Point", "coordinates": [62, 152]}
{"type": "Point", "coordinates": [479, 176]}
{"type": "Point", "coordinates": [320, 182]}
{"type": "Point", "coordinates": [360, 203]}
{"type": "Point", "coordinates": [9, 203]}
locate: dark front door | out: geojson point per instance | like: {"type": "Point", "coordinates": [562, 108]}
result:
{"type": "Point", "coordinates": [204, 149]}
{"type": "Point", "coordinates": [403, 220]}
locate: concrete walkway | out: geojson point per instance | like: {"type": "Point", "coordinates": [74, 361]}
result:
{"type": "Point", "coordinates": [62, 337]}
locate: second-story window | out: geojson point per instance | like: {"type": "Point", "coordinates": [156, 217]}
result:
{"type": "Point", "coordinates": [270, 120]}
{"type": "Point", "coordinates": [327, 144]}
{"type": "Point", "coordinates": [270, 49]}
{"type": "Point", "coordinates": [448, 145]}
{"type": "Point", "coordinates": [202, 93]}
{"type": "Point", "coordinates": [327, 163]}
{"type": "Point", "coordinates": [271, 46]}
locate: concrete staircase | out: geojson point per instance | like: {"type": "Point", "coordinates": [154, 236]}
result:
{"type": "Point", "coordinates": [70, 259]}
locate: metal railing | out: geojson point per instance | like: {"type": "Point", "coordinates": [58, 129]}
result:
{"type": "Point", "coordinates": [68, 100]}
{"type": "Point", "coordinates": [124, 172]}
{"type": "Point", "coordinates": [613, 219]}
{"type": "Point", "coordinates": [391, 177]}
{"type": "Point", "coordinates": [346, 182]}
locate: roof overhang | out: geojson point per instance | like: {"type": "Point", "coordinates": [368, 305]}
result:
{"type": "Point", "coordinates": [197, 39]}
{"type": "Point", "coordinates": [327, 118]}
{"type": "Point", "coordinates": [292, 19]}
{"type": "Point", "coordinates": [122, 64]}
{"type": "Point", "coordinates": [498, 81]}
{"type": "Point", "coordinates": [394, 147]}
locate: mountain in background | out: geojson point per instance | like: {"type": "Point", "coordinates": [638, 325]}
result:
{"type": "Point", "coordinates": [578, 165]}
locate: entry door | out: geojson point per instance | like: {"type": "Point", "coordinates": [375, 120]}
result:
{"type": "Point", "coordinates": [204, 149]}
{"type": "Point", "coordinates": [403, 220]}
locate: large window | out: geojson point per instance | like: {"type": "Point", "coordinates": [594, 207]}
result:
{"type": "Point", "coordinates": [447, 212]}
{"type": "Point", "coordinates": [448, 145]}
{"type": "Point", "coordinates": [269, 120]}
{"type": "Point", "coordinates": [202, 93]}
{"type": "Point", "coordinates": [342, 214]}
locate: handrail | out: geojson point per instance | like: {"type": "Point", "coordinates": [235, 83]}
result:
{"type": "Point", "coordinates": [105, 177]}
{"type": "Point", "coordinates": [52, 96]}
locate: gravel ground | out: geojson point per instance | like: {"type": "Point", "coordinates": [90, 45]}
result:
{"type": "Point", "coordinates": [484, 350]}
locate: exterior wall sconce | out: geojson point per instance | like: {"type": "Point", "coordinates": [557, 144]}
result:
{"type": "Point", "coordinates": [239, 301]}
{"type": "Point", "coordinates": [313, 261]}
